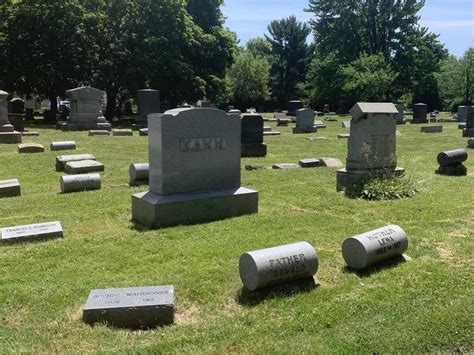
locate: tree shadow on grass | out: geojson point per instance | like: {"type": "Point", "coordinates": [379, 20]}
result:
{"type": "Point", "coordinates": [369, 271]}
{"type": "Point", "coordinates": [248, 298]}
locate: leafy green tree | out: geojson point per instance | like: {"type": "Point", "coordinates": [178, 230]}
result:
{"type": "Point", "coordinates": [5, 7]}
{"type": "Point", "coordinates": [249, 77]}
{"type": "Point", "coordinates": [368, 78]}
{"type": "Point", "coordinates": [291, 52]}
{"type": "Point", "coordinates": [260, 47]}
{"type": "Point", "coordinates": [48, 51]}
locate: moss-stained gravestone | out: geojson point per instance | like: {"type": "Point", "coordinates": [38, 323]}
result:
{"type": "Point", "coordinates": [194, 170]}
{"type": "Point", "coordinates": [372, 144]}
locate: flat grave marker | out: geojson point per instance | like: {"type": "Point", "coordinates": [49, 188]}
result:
{"type": "Point", "coordinates": [32, 231]}
{"type": "Point", "coordinates": [83, 167]}
{"type": "Point", "coordinates": [10, 188]}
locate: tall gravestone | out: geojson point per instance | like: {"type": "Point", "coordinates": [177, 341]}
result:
{"type": "Point", "coordinates": [252, 136]}
{"type": "Point", "coordinates": [304, 121]}
{"type": "Point", "coordinates": [420, 113]}
{"type": "Point", "coordinates": [469, 130]}
{"type": "Point", "coordinates": [194, 172]}
{"type": "Point", "coordinates": [148, 102]}
{"type": "Point", "coordinates": [462, 113]}
{"type": "Point", "coordinates": [294, 106]}
{"type": "Point", "coordinates": [7, 131]}
{"type": "Point", "coordinates": [372, 144]}
{"type": "Point", "coordinates": [400, 116]}
{"type": "Point", "coordinates": [85, 111]}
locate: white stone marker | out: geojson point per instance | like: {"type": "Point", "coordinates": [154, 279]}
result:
{"type": "Point", "coordinates": [139, 173]}
{"type": "Point", "coordinates": [375, 246]}
{"type": "Point", "coordinates": [67, 145]}
{"type": "Point", "coordinates": [62, 160]}
{"type": "Point", "coordinates": [10, 188]}
{"type": "Point", "coordinates": [83, 167]}
{"type": "Point", "coordinates": [272, 266]}
{"type": "Point", "coordinates": [32, 231]}
{"type": "Point", "coordinates": [83, 182]}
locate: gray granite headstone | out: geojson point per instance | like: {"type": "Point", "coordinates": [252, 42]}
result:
{"type": "Point", "coordinates": [420, 112]}
{"type": "Point", "coordinates": [139, 174]}
{"type": "Point", "coordinates": [372, 149]}
{"type": "Point", "coordinates": [400, 116]}
{"type": "Point", "coordinates": [375, 246]}
{"type": "Point", "coordinates": [133, 308]}
{"type": "Point", "coordinates": [83, 167]}
{"type": "Point", "coordinates": [122, 132]}
{"type": "Point", "coordinates": [305, 121]}
{"type": "Point", "coordinates": [294, 106]}
{"type": "Point", "coordinates": [148, 102]}
{"type": "Point", "coordinates": [310, 163]}
{"type": "Point", "coordinates": [285, 166]}
{"type": "Point", "coordinates": [32, 231]}
{"type": "Point", "coordinates": [462, 113]}
{"type": "Point", "coordinates": [7, 131]}
{"type": "Point", "coordinates": [331, 162]}
{"type": "Point", "coordinates": [10, 188]}
{"type": "Point", "coordinates": [62, 160]}
{"type": "Point", "coordinates": [273, 266]}
{"type": "Point", "coordinates": [194, 170]}
{"type": "Point", "coordinates": [30, 148]}
{"type": "Point", "coordinates": [451, 163]}
{"type": "Point", "coordinates": [67, 145]}
{"type": "Point", "coordinates": [83, 182]}
{"type": "Point", "coordinates": [98, 132]}
{"type": "Point", "coordinates": [252, 136]}
{"type": "Point", "coordinates": [468, 131]}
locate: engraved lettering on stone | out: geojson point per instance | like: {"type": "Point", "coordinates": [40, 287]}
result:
{"type": "Point", "coordinates": [202, 144]}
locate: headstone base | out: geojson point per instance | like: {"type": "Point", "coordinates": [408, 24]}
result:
{"type": "Point", "coordinates": [452, 170]}
{"type": "Point", "coordinates": [10, 137]}
{"type": "Point", "coordinates": [298, 130]}
{"type": "Point", "coordinates": [347, 178]}
{"type": "Point", "coordinates": [254, 150]}
{"type": "Point", "coordinates": [159, 211]}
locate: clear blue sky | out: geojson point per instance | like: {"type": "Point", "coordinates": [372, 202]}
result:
{"type": "Point", "coordinates": [453, 20]}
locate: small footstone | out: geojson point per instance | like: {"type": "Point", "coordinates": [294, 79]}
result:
{"type": "Point", "coordinates": [83, 167]}
{"type": "Point", "coordinates": [99, 132]}
{"type": "Point", "coordinates": [10, 188]}
{"type": "Point", "coordinates": [32, 231]}
{"type": "Point", "coordinates": [313, 139]}
{"type": "Point", "coordinates": [30, 134]}
{"type": "Point", "coordinates": [273, 133]}
{"type": "Point", "coordinates": [343, 136]}
{"type": "Point", "coordinates": [83, 182]}
{"type": "Point", "coordinates": [286, 166]}
{"type": "Point", "coordinates": [143, 132]}
{"type": "Point", "coordinates": [122, 132]}
{"type": "Point", "coordinates": [432, 129]}
{"type": "Point", "coordinates": [132, 308]}
{"type": "Point", "coordinates": [30, 148]}
{"type": "Point", "coordinates": [254, 167]}
{"type": "Point", "coordinates": [310, 163]}
{"type": "Point", "coordinates": [139, 174]}
{"type": "Point", "coordinates": [67, 145]}
{"type": "Point", "coordinates": [62, 160]}
{"type": "Point", "coordinates": [331, 163]}
{"type": "Point", "coordinates": [319, 124]}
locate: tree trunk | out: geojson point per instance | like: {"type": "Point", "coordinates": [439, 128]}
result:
{"type": "Point", "coordinates": [111, 105]}
{"type": "Point", "coordinates": [54, 103]}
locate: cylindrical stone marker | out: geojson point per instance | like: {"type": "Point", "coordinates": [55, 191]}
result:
{"type": "Point", "coordinates": [452, 157]}
{"type": "Point", "coordinates": [83, 182]}
{"type": "Point", "coordinates": [70, 145]}
{"type": "Point", "coordinates": [375, 246]}
{"type": "Point", "coordinates": [267, 267]}
{"type": "Point", "coordinates": [139, 173]}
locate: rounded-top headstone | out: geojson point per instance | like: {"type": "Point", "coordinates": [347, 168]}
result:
{"type": "Point", "coordinates": [452, 157]}
{"type": "Point", "coordinates": [272, 266]}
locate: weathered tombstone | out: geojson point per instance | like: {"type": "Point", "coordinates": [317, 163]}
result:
{"type": "Point", "coordinates": [451, 163]}
{"type": "Point", "coordinates": [342, 108]}
{"type": "Point", "coordinates": [252, 136]}
{"type": "Point", "coordinates": [32, 231]}
{"type": "Point", "coordinates": [432, 129]}
{"type": "Point", "coordinates": [319, 124]}
{"type": "Point", "coordinates": [62, 160]}
{"type": "Point", "coordinates": [267, 129]}
{"type": "Point", "coordinates": [372, 145]}
{"type": "Point", "coordinates": [326, 108]}
{"type": "Point", "coordinates": [66, 145]}
{"type": "Point", "coordinates": [131, 308]}
{"type": "Point", "coordinates": [148, 102]}
{"type": "Point", "coordinates": [304, 121]}
{"type": "Point", "coordinates": [10, 188]}
{"type": "Point", "coordinates": [332, 163]}
{"type": "Point", "coordinates": [294, 106]}
{"type": "Point", "coordinates": [346, 124]}
{"type": "Point", "coordinates": [283, 122]}
{"type": "Point", "coordinates": [17, 105]}
{"type": "Point", "coordinates": [274, 266]}
{"type": "Point", "coordinates": [7, 131]}
{"type": "Point", "coordinates": [83, 167]}
{"type": "Point", "coordinates": [30, 148]}
{"type": "Point", "coordinates": [420, 112]}
{"type": "Point", "coordinates": [374, 247]}
{"type": "Point", "coordinates": [400, 116]}
{"type": "Point", "coordinates": [30, 134]}
{"type": "Point", "coordinates": [83, 182]}
{"type": "Point", "coordinates": [285, 166]}
{"type": "Point", "coordinates": [143, 132]}
{"type": "Point", "coordinates": [462, 113]}
{"type": "Point", "coordinates": [17, 120]}
{"type": "Point", "coordinates": [51, 116]}
{"type": "Point", "coordinates": [470, 143]}
{"type": "Point", "coordinates": [343, 136]}
{"type": "Point", "coordinates": [98, 132]}
{"type": "Point", "coordinates": [122, 132]}
{"type": "Point", "coordinates": [310, 163]}
{"type": "Point", "coordinates": [194, 170]}
{"type": "Point", "coordinates": [139, 174]}
{"type": "Point", "coordinates": [469, 130]}
{"type": "Point", "coordinates": [85, 111]}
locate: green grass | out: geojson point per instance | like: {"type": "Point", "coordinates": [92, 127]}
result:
{"type": "Point", "coordinates": [425, 305]}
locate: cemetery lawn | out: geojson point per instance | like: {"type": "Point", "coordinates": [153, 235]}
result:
{"type": "Point", "coordinates": [424, 305]}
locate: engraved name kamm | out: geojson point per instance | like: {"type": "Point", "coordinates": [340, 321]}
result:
{"type": "Point", "coordinates": [202, 144]}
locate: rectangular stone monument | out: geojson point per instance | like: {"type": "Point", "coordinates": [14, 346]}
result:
{"type": "Point", "coordinates": [310, 163]}
{"type": "Point", "coordinates": [304, 121]}
{"type": "Point", "coordinates": [432, 129]}
{"type": "Point", "coordinates": [420, 113]}
{"type": "Point", "coordinates": [10, 188]}
{"type": "Point", "coordinates": [66, 145]}
{"type": "Point", "coordinates": [85, 114]}
{"type": "Point", "coordinates": [148, 102]}
{"type": "Point", "coordinates": [98, 132]}
{"type": "Point", "coordinates": [372, 144]}
{"type": "Point", "coordinates": [17, 120]}
{"type": "Point", "coordinates": [122, 132]}
{"type": "Point", "coordinates": [194, 170]}
{"type": "Point", "coordinates": [294, 106]}
{"type": "Point", "coordinates": [469, 130]}
{"type": "Point", "coordinates": [319, 124]}
{"type": "Point", "coordinates": [252, 136]}
{"type": "Point", "coordinates": [32, 231]}
{"type": "Point", "coordinates": [400, 116]}
{"type": "Point", "coordinates": [8, 135]}
{"type": "Point", "coordinates": [462, 113]}
{"type": "Point", "coordinates": [83, 167]}
{"type": "Point", "coordinates": [30, 148]}
{"type": "Point", "coordinates": [62, 160]}
{"type": "Point", "coordinates": [131, 308]}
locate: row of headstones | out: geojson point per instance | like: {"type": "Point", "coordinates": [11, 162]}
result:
{"type": "Point", "coordinates": [153, 306]}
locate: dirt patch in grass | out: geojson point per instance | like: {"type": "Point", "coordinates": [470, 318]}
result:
{"type": "Point", "coordinates": [76, 314]}
{"type": "Point", "coordinates": [14, 318]}
{"type": "Point", "coordinates": [187, 314]}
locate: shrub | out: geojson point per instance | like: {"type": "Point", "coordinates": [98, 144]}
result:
{"type": "Point", "coordinates": [380, 189]}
